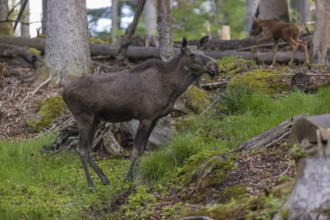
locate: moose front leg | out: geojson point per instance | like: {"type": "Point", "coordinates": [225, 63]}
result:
{"type": "Point", "coordinates": [141, 138]}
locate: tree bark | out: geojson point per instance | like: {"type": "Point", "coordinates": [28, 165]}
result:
{"type": "Point", "coordinates": [150, 10]}
{"type": "Point", "coordinates": [6, 28]}
{"type": "Point", "coordinates": [67, 47]}
{"type": "Point", "coordinates": [25, 27]}
{"type": "Point", "coordinates": [114, 20]}
{"type": "Point", "coordinates": [251, 8]}
{"type": "Point", "coordinates": [274, 9]}
{"type": "Point", "coordinates": [321, 36]}
{"type": "Point", "coordinates": [165, 30]}
{"type": "Point", "coordinates": [302, 7]}
{"type": "Point", "coordinates": [44, 17]}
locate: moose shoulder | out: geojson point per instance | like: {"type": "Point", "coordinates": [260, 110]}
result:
{"type": "Point", "coordinates": [146, 93]}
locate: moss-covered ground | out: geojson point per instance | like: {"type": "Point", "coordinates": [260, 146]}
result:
{"type": "Point", "coordinates": [198, 173]}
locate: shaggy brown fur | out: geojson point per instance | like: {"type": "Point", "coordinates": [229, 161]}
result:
{"type": "Point", "coordinates": [276, 29]}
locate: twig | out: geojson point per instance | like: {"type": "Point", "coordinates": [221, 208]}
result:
{"type": "Point", "coordinates": [284, 172]}
{"type": "Point", "coordinates": [36, 89]}
{"type": "Point", "coordinates": [12, 10]}
{"type": "Point", "coordinates": [278, 139]}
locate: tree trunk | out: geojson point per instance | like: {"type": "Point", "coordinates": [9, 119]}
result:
{"type": "Point", "coordinates": [114, 20]}
{"type": "Point", "coordinates": [165, 30]}
{"type": "Point", "coordinates": [150, 10]}
{"type": "Point", "coordinates": [25, 20]}
{"type": "Point", "coordinates": [6, 28]}
{"type": "Point", "coordinates": [321, 37]}
{"type": "Point", "coordinates": [251, 8]}
{"type": "Point", "coordinates": [274, 9]}
{"type": "Point", "coordinates": [67, 47]}
{"type": "Point", "coordinates": [44, 17]}
{"type": "Point", "coordinates": [130, 31]}
{"type": "Point", "coordinates": [302, 7]}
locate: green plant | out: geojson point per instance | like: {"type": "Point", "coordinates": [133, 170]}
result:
{"type": "Point", "coordinates": [231, 100]}
{"type": "Point", "coordinates": [138, 204]}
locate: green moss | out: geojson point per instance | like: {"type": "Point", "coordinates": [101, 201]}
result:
{"type": "Point", "coordinates": [208, 169]}
{"type": "Point", "coordinates": [49, 110]}
{"type": "Point", "coordinates": [6, 29]}
{"type": "Point", "coordinates": [34, 51]}
{"type": "Point", "coordinates": [208, 172]}
{"type": "Point", "coordinates": [196, 99]}
{"type": "Point", "coordinates": [98, 41]}
{"type": "Point", "coordinates": [231, 65]}
{"type": "Point", "coordinates": [232, 192]}
{"type": "Point", "coordinates": [266, 81]}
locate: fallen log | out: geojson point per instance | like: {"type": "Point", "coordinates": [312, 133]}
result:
{"type": "Point", "coordinates": [10, 50]}
{"type": "Point", "coordinates": [152, 52]}
{"type": "Point", "coordinates": [270, 136]}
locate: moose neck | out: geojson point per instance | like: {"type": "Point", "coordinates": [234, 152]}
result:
{"type": "Point", "coordinates": [180, 75]}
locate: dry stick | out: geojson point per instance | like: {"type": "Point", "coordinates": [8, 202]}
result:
{"type": "Point", "coordinates": [36, 89]}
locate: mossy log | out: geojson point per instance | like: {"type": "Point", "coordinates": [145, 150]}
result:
{"type": "Point", "coordinates": [9, 50]}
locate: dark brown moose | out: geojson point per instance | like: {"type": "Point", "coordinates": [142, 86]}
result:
{"type": "Point", "coordinates": [146, 93]}
{"type": "Point", "coordinates": [276, 29]}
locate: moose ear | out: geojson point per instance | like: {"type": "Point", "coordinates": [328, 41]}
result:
{"type": "Point", "coordinates": [255, 19]}
{"type": "Point", "coordinates": [184, 44]}
{"type": "Point", "coordinates": [202, 42]}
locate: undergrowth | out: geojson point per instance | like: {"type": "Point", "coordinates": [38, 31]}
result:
{"type": "Point", "coordinates": [242, 115]}
{"type": "Point", "coordinates": [38, 186]}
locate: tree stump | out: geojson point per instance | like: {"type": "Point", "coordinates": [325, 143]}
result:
{"type": "Point", "coordinates": [310, 198]}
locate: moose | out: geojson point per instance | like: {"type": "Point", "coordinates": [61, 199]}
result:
{"type": "Point", "coordinates": [146, 92]}
{"type": "Point", "coordinates": [276, 29]}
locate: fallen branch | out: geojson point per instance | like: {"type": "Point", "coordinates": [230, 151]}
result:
{"type": "Point", "coordinates": [44, 83]}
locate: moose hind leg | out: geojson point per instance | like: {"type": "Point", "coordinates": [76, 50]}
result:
{"type": "Point", "coordinates": [98, 171]}
{"type": "Point", "coordinates": [84, 150]}
{"type": "Point", "coordinates": [275, 49]}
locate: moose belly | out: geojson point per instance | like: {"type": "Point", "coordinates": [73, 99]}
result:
{"type": "Point", "coordinates": [114, 115]}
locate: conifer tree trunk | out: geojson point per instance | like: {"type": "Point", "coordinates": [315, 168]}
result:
{"type": "Point", "coordinates": [114, 19]}
{"type": "Point", "coordinates": [165, 30]}
{"type": "Point", "coordinates": [321, 36]}
{"type": "Point", "coordinates": [67, 52]}
{"type": "Point", "coordinates": [6, 28]}
{"type": "Point", "coordinates": [274, 9]}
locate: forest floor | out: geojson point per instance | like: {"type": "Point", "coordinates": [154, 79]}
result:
{"type": "Point", "coordinates": [260, 170]}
